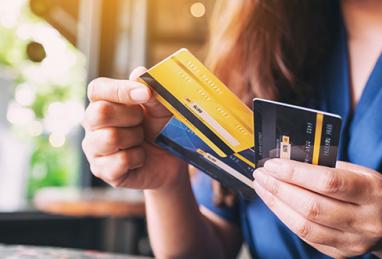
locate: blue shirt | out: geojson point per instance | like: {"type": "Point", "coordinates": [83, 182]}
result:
{"type": "Point", "coordinates": [361, 143]}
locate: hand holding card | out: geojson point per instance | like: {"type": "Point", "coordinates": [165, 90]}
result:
{"type": "Point", "coordinates": [214, 131]}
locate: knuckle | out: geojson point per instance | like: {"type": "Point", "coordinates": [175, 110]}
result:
{"type": "Point", "coordinates": [359, 249]}
{"type": "Point", "coordinates": [350, 223]}
{"type": "Point", "coordinates": [84, 123]}
{"type": "Point", "coordinates": [304, 231]}
{"type": "Point", "coordinates": [332, 183]}
{"type": "Point", "coordinates": [111, 137]}
{"type": "Point", "coordinates": [123, 161]}
{"type": "Point", "coordinates": [274, 187]}
{"type": "Point", "coordinates": [101, 111]}
{"type": "Point", "coordinates": [313, 210]}
{"type": "Point", "coordinates": [95, 170]}
{"type": "Point", "coordinates": [375, 228]}
{"type": "Point", "coordinates": [110, 176]}
{"type": "Point", "coordinates": [291, 172]}
{"type": "Point", "coordinates": [84, 145]}
{"type": "Point", "coordinates": [118, 183]}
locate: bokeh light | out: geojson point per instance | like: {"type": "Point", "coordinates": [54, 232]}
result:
{"type": "Point", "coordinates": [34, 129]}
{"type": "Point", "coordinates": [62, 117]}
{"type": "Point", "coordinates": [19, 115]}
{"type": "Point", "coordinates": [57, 140]}
{"type": "Point", "coordinates": [25, 94]}
{"type": "Point", "coordinates": [198, 9]}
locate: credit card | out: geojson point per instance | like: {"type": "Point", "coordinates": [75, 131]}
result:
{"type": "Point", "coordinates": [234, 171]}
{"type": "Point", "coordinates": [202, 102]}
{"type": "Point", "coordinates": [292, 132]}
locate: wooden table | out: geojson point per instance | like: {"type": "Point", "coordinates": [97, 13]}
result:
{"type": "Point", "coordinates": [30, 252]}
{"type": "Point", "coordinates": [90, 202]}
{"type": "Point", "coordinates": [124, 210]}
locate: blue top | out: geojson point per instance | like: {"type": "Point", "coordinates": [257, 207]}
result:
{"type": "Point", "coordinates": [361, 143]}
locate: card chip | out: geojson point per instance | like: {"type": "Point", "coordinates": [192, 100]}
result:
{"type": "Point", "coordinates": [285, 148]}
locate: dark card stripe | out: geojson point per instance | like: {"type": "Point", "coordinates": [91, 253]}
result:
{"type": "Point", "coordinates": [151, 81]}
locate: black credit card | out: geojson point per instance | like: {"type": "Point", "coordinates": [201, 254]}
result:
{"type": "Point", "coordinates": [292, 132]}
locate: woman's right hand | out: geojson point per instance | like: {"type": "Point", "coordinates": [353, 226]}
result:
{"type": "Point", "coordinates": [121, 123]}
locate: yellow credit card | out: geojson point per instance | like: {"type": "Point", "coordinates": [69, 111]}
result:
{"type": "Point", "coordinates": [202, 102]}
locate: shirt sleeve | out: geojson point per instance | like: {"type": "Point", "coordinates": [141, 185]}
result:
{"type": "Point", "coordinates": [202, 188]}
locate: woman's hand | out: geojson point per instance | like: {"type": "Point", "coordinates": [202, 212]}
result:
{"type": "Point", "coordinates": [336, 210]}
{"type": "Point", "coordinates": [121, 123]}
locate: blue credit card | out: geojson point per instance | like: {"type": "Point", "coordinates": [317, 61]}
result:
{"type": "Point", "coordinates": [235, 171]}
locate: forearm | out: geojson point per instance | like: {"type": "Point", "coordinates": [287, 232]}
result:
{"type": "Point", "coordinates": [177, 229]}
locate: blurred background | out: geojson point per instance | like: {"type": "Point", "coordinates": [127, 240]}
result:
{"type": "Point", "coordinates": [49, 51]}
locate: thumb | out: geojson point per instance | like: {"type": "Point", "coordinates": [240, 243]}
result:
{"type": "Point", "coordinates": [158, 115]}
{"type": "Point", "coordinates": [153, 107]}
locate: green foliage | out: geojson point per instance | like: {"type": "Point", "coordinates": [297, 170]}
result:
{"type": "Point", "coordinates": [51, 166]}
{"type": "Point", "coordinates": [12, 49]}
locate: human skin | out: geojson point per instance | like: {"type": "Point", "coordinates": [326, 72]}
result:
{"type": "Point", "coordinates": [123, 119]}
{"type": "Point", "coordinates": [336, 210]}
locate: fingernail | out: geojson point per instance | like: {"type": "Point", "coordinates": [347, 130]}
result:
{"type": "Point", "coordinates": [140, 94]}
{"type": "Point", "coordinates": [273, 165]}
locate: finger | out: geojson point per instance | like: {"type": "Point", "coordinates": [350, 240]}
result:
{"type": "Point", "coordinates": [103, 114]}
{"type": "Point", "coordinates": [118, 91]}
{"type": "Point", "coordinates": [153, 107]}
{"type": "Point", "coordinates": [373, 177]}
{"type": "Point", "coordinates": [115, 167]}
{"type": "Point", "coordinates": [336, 183]}
{"type": "Point", "coordinates": [107, 141]}
{"type": "Point", "coordinates": [136, 73]}
{"type": "Point", "coordinates": [312, 206]}
{"type": "Point", "coordinates": [355, 168]}
{"type": "Point", "coordinates": [327, 250]}
{"type": "Point", "coordinates": [302, 227]}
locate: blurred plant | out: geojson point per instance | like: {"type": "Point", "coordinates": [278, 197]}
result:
{"type": "Point", "coordinates": [48, 94]}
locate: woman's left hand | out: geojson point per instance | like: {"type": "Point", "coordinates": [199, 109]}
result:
{"type": "Point", "coordinates": [336, 210]}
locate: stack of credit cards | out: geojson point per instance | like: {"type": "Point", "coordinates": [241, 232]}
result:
{"type": "Point", "coordinates": [214, 130]}
{"type": "Point", "coordinates": [202, 102]}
